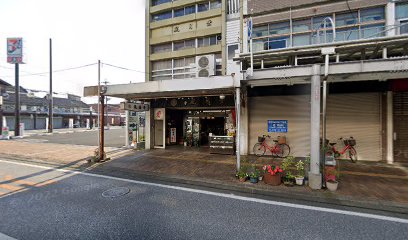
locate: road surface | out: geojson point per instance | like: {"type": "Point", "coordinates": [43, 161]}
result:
{"type": "Point", "coordinates": [45, 203]}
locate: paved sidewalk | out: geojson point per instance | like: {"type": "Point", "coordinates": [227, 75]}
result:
{"type": "Point", "coordinates": [363, 184]}
{"type": "Point", "coordinates": [44, 132]}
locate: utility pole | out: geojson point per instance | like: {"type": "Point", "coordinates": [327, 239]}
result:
{"type": "Point", "coordinates": [17, 104]}
{"type": "Point", "coordinates": [106, 103]}
{"type": "Point", "coordinates": [50, 107]}
{"type": "Point", "coordinates": [100, 115]}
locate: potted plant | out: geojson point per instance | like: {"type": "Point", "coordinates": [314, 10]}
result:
{"type": "Point", "coordinates": [272, 175]}
{"type": "Point", "coordinates": [253, 176]}
{"type": "Point", "coordinates": [288, 179]}
{"type": "Point", "coordinates": [331, 179]}
{"type": "Point", "coordinates": [288, 166]}
{"type": "Point", "coordinates": [242, 174]}
{"type": "Point", "coordinates": [300, 173]}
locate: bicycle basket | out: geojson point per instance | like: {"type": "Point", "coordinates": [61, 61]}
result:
{"type": "Point", "coordinates": [281, 139]}
{"type": "Point", "coordinates": [351, 142]}
{"type": "Point", "coordinates": [261, 139]}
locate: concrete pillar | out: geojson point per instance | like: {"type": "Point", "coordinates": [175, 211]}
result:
{"type": "Point", "coordinates": [390, 19]}
{"type": "Point", "coordinates": [127, 128]}
{"type": "Point", "coordinates": [238, 125]}
{"type": "Point", "coordinates": [390, 128]}
{"type": "Point", "coordinates": [244, 127]}
{"type": "Point", "coordinates": [315, 177]}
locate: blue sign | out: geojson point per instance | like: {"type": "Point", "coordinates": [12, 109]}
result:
{"type": "Point", "coordinates": [250, 28]}
{"type": "Point", "coordinates": [280, 126]}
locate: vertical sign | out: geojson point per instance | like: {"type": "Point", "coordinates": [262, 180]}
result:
{"type": "Point", "coordinates": [249, 25]}
{"type": "Point", "coordinates": [14, 50]}
{"type": "Point", "coordinates": [173, 138]}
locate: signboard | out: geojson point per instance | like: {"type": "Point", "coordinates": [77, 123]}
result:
{"type": "Point", "coordinates": [14, 50]}
{"type": "Point", "coordinates": [159, 114]}
{"type": "Point", "coordinates": [5, 133]}
{"type": "Point", "coordinates": [135, 107]}
{"type": "Point", "coordinates": [173, 138]}
{"type": "Point", "coordinates": [249, 25]}
{"type": "Point", "coordinates": [279, 126]}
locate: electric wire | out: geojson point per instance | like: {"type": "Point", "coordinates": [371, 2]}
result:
{"type": "Point", "coordinates": [123, 68]}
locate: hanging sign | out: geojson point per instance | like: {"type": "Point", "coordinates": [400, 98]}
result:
{"type": "Point", "coordinates": [159, 114]}
{"type": "Point", "coordinates": [280, 126]}
{"type": "Point", "coordinates": [14, 50]}
{"type": "Point", "coordinates": [173, 135]}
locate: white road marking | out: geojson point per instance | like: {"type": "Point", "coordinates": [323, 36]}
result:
{"type": "Point", "coordinates": [231, 196]}
{"type": "Point", "coordinates": [5, 237]}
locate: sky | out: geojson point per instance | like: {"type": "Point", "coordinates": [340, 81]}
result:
{"type": "Point", "coordinates": [82, 32]}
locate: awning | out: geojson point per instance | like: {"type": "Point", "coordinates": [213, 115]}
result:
{"type": "Point", "coordinates": [211, 86]}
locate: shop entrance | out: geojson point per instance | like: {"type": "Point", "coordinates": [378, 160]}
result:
{"type": "Point", "coordinates": [211, 126]}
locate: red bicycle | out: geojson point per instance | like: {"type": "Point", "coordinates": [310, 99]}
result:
{"type": "Point", "coordinates": [278, 150]}
{"type": "Point", "coordinates": [348, 147]}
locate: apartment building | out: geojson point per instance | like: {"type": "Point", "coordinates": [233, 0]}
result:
{"type": "Point", "coordinates": [358, 50]}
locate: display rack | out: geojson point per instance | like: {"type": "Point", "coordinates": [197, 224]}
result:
{"type": "Point", "coordinates": [222, 144]}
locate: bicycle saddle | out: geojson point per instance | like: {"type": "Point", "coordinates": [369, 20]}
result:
{"type": "Point", "coordinates": [332, 144]}
{"type": "Point", "coordinates": [275, 140]}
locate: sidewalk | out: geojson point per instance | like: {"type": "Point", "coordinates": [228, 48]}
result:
{"type": "Point", "coordinates": [44, 132]}
{"type": "Point", "coordinates": [362, 184]}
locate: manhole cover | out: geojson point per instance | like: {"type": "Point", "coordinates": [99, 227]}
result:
{"type": "Point", "coordinates": [115, 192]}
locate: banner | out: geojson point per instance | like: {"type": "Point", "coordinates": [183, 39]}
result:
{"type": "Point", "coordinates": [14, 50]}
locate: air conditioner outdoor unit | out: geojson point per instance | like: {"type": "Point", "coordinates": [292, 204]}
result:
{"type": "Point", "coordinates": [205, 65]}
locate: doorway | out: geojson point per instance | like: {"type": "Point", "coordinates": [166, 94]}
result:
{"type": "Point", "coordinates": [211, 125]}
{"type": "Point", "coordinates": [401, 126]}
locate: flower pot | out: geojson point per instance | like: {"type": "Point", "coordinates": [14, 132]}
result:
{"type": "Point", "coordinates": [273, 180]}
{"type": "Point", "coordinates": [242, 179]}
{"type": "Point", "coordinates": [299, 181]}
{"type": "Point", "coordinates": [260, 178]}
{"type": "Point", "coordinates": [332, 185]}
{"type": "Point", "coordinates": [253, 180]}
{"type": "Point", "coordinates": [185, 144]}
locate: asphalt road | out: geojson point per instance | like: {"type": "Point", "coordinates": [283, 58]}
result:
{"type": "Point", "coordinates": [113, 138]}
{"type": "Point", "coordinates": [56, 204]}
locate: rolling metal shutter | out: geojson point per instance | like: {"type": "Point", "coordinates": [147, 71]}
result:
{"type": "Point", "coordinates": [401, 126]}
{"type": "Point", "coordinates": [356, 115]}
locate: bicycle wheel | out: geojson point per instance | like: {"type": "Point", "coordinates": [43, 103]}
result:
{"type": "Point", "coordinates": [259, 149]}
{"type": "Point", "coordinates": [282, 150]}
{"type": "Point", "coordinates": [352, 154]}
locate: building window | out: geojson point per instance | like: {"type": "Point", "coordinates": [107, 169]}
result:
{"type": "Point", "coordinates": [203, 7]}
{"type": "Point", "coordinates": [345, 19]}
{"type": "Point", "coordinates": [260, 31]}
{"type": "Point", "coordinates": [184, 11]}
{"type": "Point", "coordinates": [231, 51]}
{"type": "Point", "coordinates": [215, 4]}
{"type": "Point", "coordinates": [372, 14]}
{"type": "Point", "coordinates": [158, 2]}
{"type": "Point", "coordinates": [161, 48]}
{"type": "Point", "coordinates": [173, 69]}
{"type": "Point", "coordinates": [161, 16]}
{"type": "Point", "coordinates": [401, 14]}
{"type": "Point", "coordinates": [207, 41]}
{"type": "Point", "coordinates": [181, 45]}
{"type": "Point", "coordinates": [279, 28]}
{"type": "Point", "coordinates": [301, 25]}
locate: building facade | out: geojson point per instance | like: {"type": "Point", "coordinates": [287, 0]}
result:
{"type": "Point", "coordinates": [208, 73]}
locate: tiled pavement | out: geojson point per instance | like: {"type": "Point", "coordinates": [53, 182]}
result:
{"type": "Point", "coordinates": [361, 182]}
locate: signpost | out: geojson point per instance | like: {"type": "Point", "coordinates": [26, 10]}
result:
{"type": "Point", "coordinates": [278, 126]}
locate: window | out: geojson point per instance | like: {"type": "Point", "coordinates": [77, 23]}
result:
{"type": "Point", "coordinates": [161, 16]}
{"type": "Point", "coordinates": [231, 51]}
{"type": "Point", "coordinates": [301, 26]}
{"type": "Point", "coordinates": [207, 41]}
{"type": "Point", "coordinates": [401, 10]}
{"type": "Point", "coordinates": [203, 7]}
{"type": "Point", "coordinates": [277, 43]}
{"type": "Point", "coordinates": [279, 28]}
{"type": "Point", "coordinates": [347, 34]}
{"type": "Point", "coordinates": [215, 4]}
{"type": "Point", "coordinates": [158, 2]}
{"type": "Point", "coordinates": [345, 19]}
{"type": "Point", "coordinates": [161, 65]}
{"type": "Point", "coordinates": [372, 14]}
{"type": "Point", "coordinates": [301, 40]}
{"type": "Point", "coordinates": [184, 45]}
{"type": "Point", "coordinates": [260, 31]}
{"type": "Point", "coordinates": [372, 31]}
{"type": "Point", "coordinates": [318, 22]}
{"type": "Point", "coordinates": [184, 11]}
{"type": "Point", "coordinates": [161, 48]}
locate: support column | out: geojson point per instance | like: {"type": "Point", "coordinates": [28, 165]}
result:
{"type": "Point", "coordinates": [390, 18]}
{"type": "Point", "coordinates": [244, 126]}
{"type": "Point", "coordinates": [315, 177]}
{"type": "Point", "coordinates": [148, 127]}
{"type": "Point", "coordinates": [127, 129]}
{"type": "Point", "coordinates": [238, 125]}
{"type": "Point", "coordinates": [390, 128]}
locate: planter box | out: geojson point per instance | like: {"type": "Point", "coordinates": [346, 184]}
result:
{"type": "Point", "coordinates": [273, 180]}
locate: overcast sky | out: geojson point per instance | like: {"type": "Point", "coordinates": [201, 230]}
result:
{"type": "Point", "coordinates": [82, 32]}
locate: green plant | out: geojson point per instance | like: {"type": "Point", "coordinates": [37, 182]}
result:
{"type": "Point", "coordinates": [254, 174]}
{"type": "Point", "coordinates": [242, 172]}
{"type": "Point", "coordinates": [288, 163]}
{"type": "Point", "coordinates": [300, 169]}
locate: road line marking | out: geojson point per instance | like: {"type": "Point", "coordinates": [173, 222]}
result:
{"type": "Point", "coordinates": [10, 178]}
{"type": "Point", "coordinates": [5, 237]}
{"type": "Point", "coordinates": [224, 195]}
